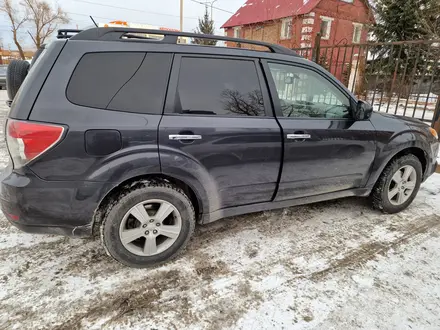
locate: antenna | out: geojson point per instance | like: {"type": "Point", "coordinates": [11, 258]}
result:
{"type": "Point", "coordinates": [93, 21]}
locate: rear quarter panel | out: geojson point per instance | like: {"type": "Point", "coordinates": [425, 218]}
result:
{"type": "Point", "coordinates": [69, 160]}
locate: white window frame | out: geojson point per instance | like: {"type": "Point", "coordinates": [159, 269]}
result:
{"type": "Point", "coordinates": [356, 26]}
{"type": "Point", "coordinates": [286, 28]}
{"type": "Point", "coordinates": [329, 27]}
{"type": "Point", "coordinates": [237, 32]}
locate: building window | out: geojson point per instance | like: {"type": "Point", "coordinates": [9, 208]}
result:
{"type": "Point", "coordinates": [357, 33]}
{"type": "Point", "coordinates": [237, 32]}
{"type": "Point", "coordinates": [286, 28]}
{"type": "Point", "coordinates": [326, 25]}
{"type": "Point", "coordinates": [349, 1]}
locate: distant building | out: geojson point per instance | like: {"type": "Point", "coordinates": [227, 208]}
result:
{"type": "Point", "coordinates": [295, 23]}
{"type": "Point", "coordinates": [7, 56]}
{"type": "Point", "coordinates": [182, 40]}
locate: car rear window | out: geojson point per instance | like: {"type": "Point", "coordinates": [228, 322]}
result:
{"type": "Point", "coordinates": [121, 81]}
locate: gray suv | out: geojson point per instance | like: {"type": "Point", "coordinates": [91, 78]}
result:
{"type": "Point", "coordinates": [137, 140]}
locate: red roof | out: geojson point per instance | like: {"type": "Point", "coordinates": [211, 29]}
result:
{"type": "Point", "coordinates": [254, 11]}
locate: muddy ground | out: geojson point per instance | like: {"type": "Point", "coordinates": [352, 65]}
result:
{"type": "Point", "coordinates": [332, 265]}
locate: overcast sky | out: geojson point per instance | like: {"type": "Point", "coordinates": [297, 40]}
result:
{"type": "Point", "coordinates": [155, 12]}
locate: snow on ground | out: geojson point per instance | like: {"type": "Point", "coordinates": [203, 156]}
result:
{"type": "Point", "coordinates": [332, 265]}
{"type": "Point", "coordinates": [399, 109]}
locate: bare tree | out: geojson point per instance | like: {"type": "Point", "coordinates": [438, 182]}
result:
{"type": "Point", "coordinates": [250, 104]}
{"type": "Point", "coordinates": [17, 19]}
{"type": "Point", "coordinates": [44, 18]}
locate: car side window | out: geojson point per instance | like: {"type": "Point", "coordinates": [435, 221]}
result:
{"type": "Point", "coordinates": [215, 86]}
{"type": "Point", "coordinates": [304, 93]}
{"type": "Point", "coordinates": [121, 81]}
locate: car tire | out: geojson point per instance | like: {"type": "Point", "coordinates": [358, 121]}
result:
{"type": "Point", "coordinates": [15, 75]}
{"type": "Point", "coordinates": [170, 235]}
{"type": "Point", "coordinates": [394, 191]}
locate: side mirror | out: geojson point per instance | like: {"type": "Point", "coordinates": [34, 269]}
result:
{"type": "Point", "coordinates": [363, 111]}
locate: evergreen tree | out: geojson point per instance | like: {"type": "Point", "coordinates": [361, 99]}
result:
{"type": "Point", "coordinates": [206, 26]}
{"type": "Point", "coordinates": [398, 20]}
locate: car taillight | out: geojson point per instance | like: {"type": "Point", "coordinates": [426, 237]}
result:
{"type": "Point", "coordinates": [28, 140]}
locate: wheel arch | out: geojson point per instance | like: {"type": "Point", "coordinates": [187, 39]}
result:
{"type": "Point", "coordinates": [414, 150]}
{"type": "Point", "coordinates": [113, 193]}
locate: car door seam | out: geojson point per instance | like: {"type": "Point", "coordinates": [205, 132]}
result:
{"type": "Point", "coordinates": [274, 114]}
{"type": "Point", "coordinates": [163, 112]}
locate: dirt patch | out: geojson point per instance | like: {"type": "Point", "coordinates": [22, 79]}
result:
{"type": "Point", "coordinates": [370, 251]}
{"type": "Point", "coordinates": [252, 249]}
{"type": "Point", "coordinates": [224, 313]}
{"type": "Point", "coordinates": [55, 249]}
{"type": "Point", "coordinates": [95, 261]}
{"type": "Point", "coordinates": [207, 269]}
{"type": "Point", "coordinates": [144, 298]}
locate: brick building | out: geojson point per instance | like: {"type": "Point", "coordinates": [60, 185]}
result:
{"type": "Point", "coordinates": [295, 23]}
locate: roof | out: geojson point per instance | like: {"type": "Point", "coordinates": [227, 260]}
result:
{"type": "Point", "coordinates": [254, 11]}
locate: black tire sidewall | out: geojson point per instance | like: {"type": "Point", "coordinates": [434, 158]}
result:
{"type": "Point", "coordinates": [399, 163]}
{"type": "Point", "coordinates": [112, 222]}
{"type": "Point", "coordinates": [15, 75]}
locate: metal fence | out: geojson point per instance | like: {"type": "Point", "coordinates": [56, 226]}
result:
{"type": "Point", "coordinates": [401, 78]}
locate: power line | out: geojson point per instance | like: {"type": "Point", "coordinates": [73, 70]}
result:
{"type": "Point", "coordinates": [106, 18]}
{"type": "Point", "coordinates": [132, 9]}
{"type": "Point", "coordinates": [205, 4]}
{"type": "Point", "coordinates": [88, 15]}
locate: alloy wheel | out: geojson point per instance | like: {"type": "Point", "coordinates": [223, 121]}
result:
{"type": "Point", "coordinates": [402, 185]}
{"type": "Point", "coordinates": [150, 227]}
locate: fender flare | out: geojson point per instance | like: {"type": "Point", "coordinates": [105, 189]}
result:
{"type": "Point", "coordinates": [182, 166]}
{"type": "Point", "coordinates": [140, 163]}
{"type": "Point", "coordinates": [391, 150]}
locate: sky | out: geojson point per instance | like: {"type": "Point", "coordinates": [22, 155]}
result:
{"type": "Point", "coordinates": [155, 12]}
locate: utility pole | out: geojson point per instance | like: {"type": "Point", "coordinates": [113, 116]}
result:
{"type": "Point", "coordinates": [181, 15]}
{"type": "Point", "coordinates": [212, 4]}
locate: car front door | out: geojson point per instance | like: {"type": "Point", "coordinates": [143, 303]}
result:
{"type": "Point", "coordinates": [218, 116]}
{"type": "Point", "coordinates": [325, 149]}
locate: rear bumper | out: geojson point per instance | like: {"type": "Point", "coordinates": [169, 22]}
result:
{"type": "Point", "coordinates": [37, 206]}
{"type": "Point", "coordinates": [81, 231]}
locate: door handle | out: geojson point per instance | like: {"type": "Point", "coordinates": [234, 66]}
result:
{"type": "Point", "coordinates": [183, 137]}
{"type": "Point", "coordinates": [298, 136]}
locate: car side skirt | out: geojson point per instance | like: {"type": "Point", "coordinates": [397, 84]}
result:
{"type": "Point", "coordinates": [252, 208]}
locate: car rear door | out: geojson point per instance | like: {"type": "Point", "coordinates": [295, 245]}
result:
{"type": "Point", "coordinates": [218, 115]}
{"type": "Point", "coordinates": [325, 149]}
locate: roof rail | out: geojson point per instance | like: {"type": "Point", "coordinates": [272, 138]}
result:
{"type": "Point", "coordinates": [170, 37]}
{"type": "Point", "coordinates": [67, 33]}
